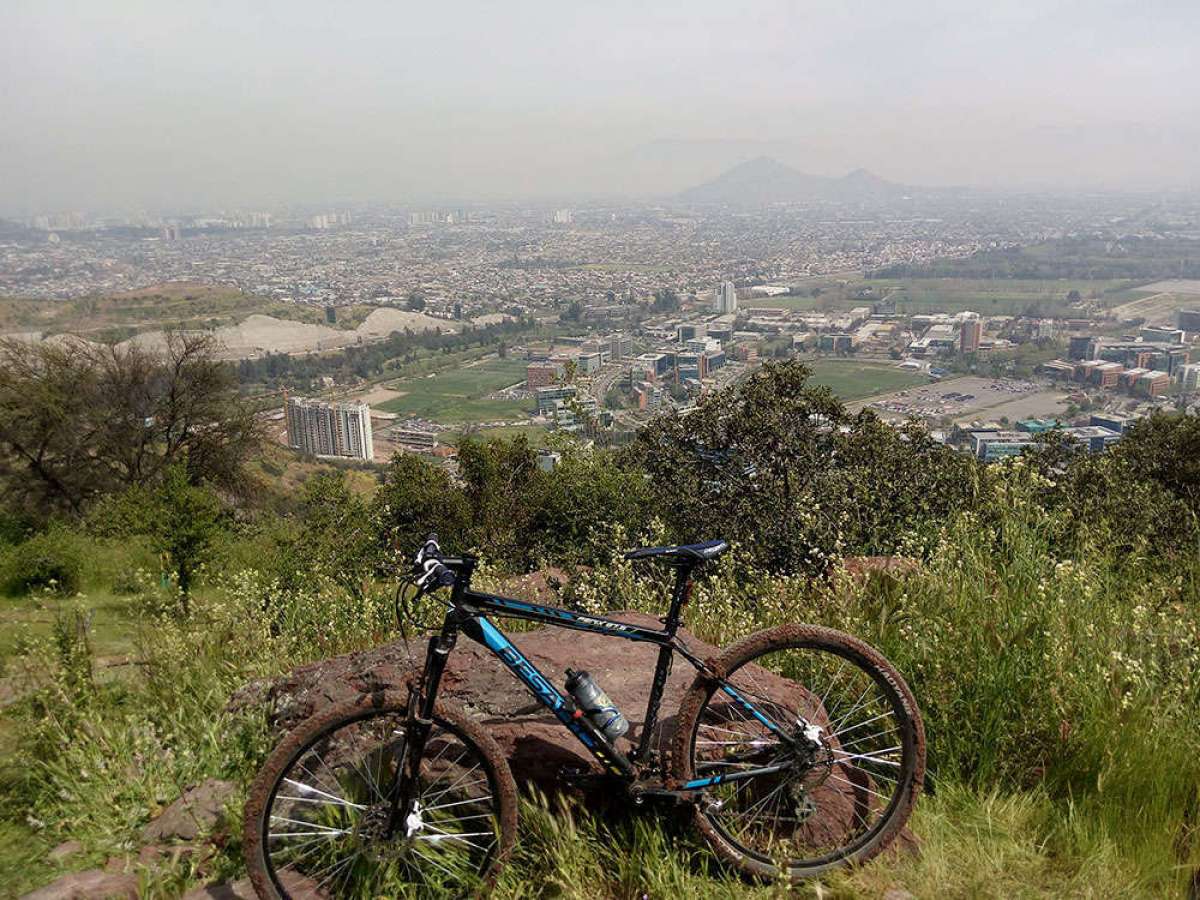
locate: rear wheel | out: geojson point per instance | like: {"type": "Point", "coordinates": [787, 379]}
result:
{"type": "Point", "coordinates": [319, 817]}
{"type": "Point", "coordinates": [841, 731]}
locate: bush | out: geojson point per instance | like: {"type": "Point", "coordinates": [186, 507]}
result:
{"type": "Point", "coordinates": [52, 560]}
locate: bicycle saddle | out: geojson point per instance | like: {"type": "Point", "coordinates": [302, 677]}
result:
{"type": "Point", "coordinates": [682, 553]}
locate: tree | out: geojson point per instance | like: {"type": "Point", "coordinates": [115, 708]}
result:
{"type": "Point", "coordinates": [501, 483]}
{"type": "Point", "coordinates": [81, 420]}
{"type": "Point", "coordinates": [415, 499]}
{"type": "Point", "coordinates": [338, 536]}
{"type": "Point", "coordinates": [781, 467]}
{"type": "Point", "coordinates": [1165, 448]}
{"type": "Point", "coordinates": [666, 300]}
{"type": "Point", "coordinates": [416, 301]}
{"type": "Point", "coordinates": [183, 520]}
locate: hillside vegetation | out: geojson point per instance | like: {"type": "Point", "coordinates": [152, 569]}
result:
{"type": "Point", "coordinates": [1050, 630]}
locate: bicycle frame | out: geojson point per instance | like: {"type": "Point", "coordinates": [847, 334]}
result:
{"type": "Point", "coordinates": [467, 614]}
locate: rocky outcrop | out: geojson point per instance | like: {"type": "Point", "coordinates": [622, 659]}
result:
{"type": "Point", "coordinates": [298, 887]}
{"type": "Point", "coordinates": [538, 748]}
{"type": "Point", "coordinates": [197, 812]}
{"type": "Point", "coordinates": [93, 884]}
{"type": "Point", "coordinates": [535, 742]}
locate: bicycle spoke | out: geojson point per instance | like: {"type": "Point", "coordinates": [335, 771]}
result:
{"type": "Point", "coordinates": [798, 807]}
{"type": "Point", "coordinates": [330, 815]}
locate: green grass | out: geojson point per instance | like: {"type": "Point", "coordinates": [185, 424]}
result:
{"type": "Point", "coordinates": [535, 434]}
{"type": "Point", "coordinates": [853, 380]}
{"type": "Point", "coordinates": [1058, 694]}
{"type": "Point", "coordinates": [1000, 296]}
{"type": "Point", "coordinates": [989, 296]}
{"type": "Point", "coordinates": [459, 396]}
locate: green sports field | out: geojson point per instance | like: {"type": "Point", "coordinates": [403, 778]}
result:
{"type": "Point", "coordinates": [457, 396]}
{"type": "Point", "coordinates": [988, 296]}
{"type": "Point", "coordinates": [853, 379]}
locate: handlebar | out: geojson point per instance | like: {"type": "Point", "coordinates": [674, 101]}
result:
{"type": "Point", "coordinates": [428, 567]}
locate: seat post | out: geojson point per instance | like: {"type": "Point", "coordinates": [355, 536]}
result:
{"type": "Point", "coordinates": [680, 595]}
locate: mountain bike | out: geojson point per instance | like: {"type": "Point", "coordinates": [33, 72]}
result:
{"type": "Point", "coordinates": [797, 750]}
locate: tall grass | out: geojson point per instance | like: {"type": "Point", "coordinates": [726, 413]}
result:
{"type": "Point", "coordinates": [1061, 699]}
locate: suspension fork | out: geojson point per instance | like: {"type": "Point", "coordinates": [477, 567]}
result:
{"type": "Point", "coordinates": [418, 722]}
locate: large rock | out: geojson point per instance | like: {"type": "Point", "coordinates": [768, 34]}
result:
{"type": "Point", "coordinates": [535, 742]}
{"type": "Point", "coordinates": [537, 746]}
{"type": "Point", "coordinates": [94, 884]}
{"type": "Point", "coordinates": [299, 887]}
{"type": "Point", "coordinates": [197, 812]}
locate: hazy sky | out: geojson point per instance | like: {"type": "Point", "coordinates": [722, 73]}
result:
{"type": "Point", "coordinates": [169, 104]}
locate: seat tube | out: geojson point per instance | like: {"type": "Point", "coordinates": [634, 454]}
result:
{"type": "Point", "coordinates": [679, 597]}
{"type": "Point", "coordinates": [662, 670]}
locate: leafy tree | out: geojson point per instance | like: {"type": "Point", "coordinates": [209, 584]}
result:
{"type": "Point", "coordinates": [79, 420]}
{"type": "Point", "coordinates": [183, 519]}
{"type": "Point", "coordinates": [416, 301]}
{"type": "Point", "coordinates": [780, 466]}
{"type": "Point", "coordinates": [1165, 448]}
{"type": "Point", "coordinates": [501, 485]}
{"type": "Point", "coordinates": [666, 300]}
{"type": "Point", "coordinates": [586, 494]}
{"type": "Point", "coordinates": [339, 536]}
{"type": "Point", "coordinates": [416, 498]}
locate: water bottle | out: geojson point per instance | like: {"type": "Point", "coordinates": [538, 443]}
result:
{"type": "Point", "coordinates": [595, 704]}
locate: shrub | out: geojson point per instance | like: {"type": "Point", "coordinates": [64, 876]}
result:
{"type": "Point", "coordinates": [51, 560]}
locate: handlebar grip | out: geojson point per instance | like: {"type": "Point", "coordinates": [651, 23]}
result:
{"type": "Point", "coordinates": [435, 575]}
{"type": "Point", "coordinates": [443, 576]}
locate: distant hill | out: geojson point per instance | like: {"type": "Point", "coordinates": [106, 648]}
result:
{"type": "Point", "coordinates": [766, 180]}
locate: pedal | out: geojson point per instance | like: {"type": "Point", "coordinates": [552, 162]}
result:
{"type": "Point", "coordinates": [640, 792]}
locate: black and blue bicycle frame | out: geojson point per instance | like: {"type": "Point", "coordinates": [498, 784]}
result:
{"type": "Point", "coordinates": [468, 614]}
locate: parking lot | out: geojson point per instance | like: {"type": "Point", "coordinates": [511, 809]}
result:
{"type": "Point", "coordinates": [967, 398]}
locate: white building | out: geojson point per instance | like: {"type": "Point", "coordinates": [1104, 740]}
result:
{"type": "Point", "coordinates": [330, 429]}
{"type": "Point", "coordinates": [726, 300]}
{"type": "Point", "coordinates": [1189, 376]}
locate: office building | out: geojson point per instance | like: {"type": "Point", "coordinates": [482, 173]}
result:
{"type": "Point", "coordinates": [989, 445]}
{"type": "Point", "coordinates": [589, 363]}
{"type": "Point", "coordinates": [1189, 320]}
{"type": "Point", "coordinates": [1162, 335]}
{"type": "Point", "coordinates": [1189, 376]}
{"type": "Point", "coordinates": [726, 300]}
{"type": "Point", "coordinates": [620, 347]}
{"type": "Point", "coordinates": [330, 429]}
{"type": "Point", "coordinates": [550, 398]}
{"type": "Point", "coordinates": [1079, 346]}
{"type": "Point", "coordinates": [542, 374]}
{"type": "Point", "coordinates": [1094, 437]}
{"type": "Point", "coordinates": [1112, 421]}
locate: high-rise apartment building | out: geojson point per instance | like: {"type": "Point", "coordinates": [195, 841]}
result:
{"type": "Point", "coordinates": [970, 335]}
{"type": "Point", "coordinates": [726, 300]}
{"type": "Point", "coordinates": [330, 429]}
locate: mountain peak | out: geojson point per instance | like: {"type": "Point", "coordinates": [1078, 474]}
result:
{"type": "Point", "coordinates": [765, 179]}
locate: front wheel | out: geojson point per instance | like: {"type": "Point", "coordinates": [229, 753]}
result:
{"type": "Point", "coordinates": [835, 738]}
{"type": "Point", "coordinates": [320, 822]}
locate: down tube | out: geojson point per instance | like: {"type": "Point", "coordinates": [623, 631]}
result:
{"type": "Point", "coordinates": [492, 638]}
